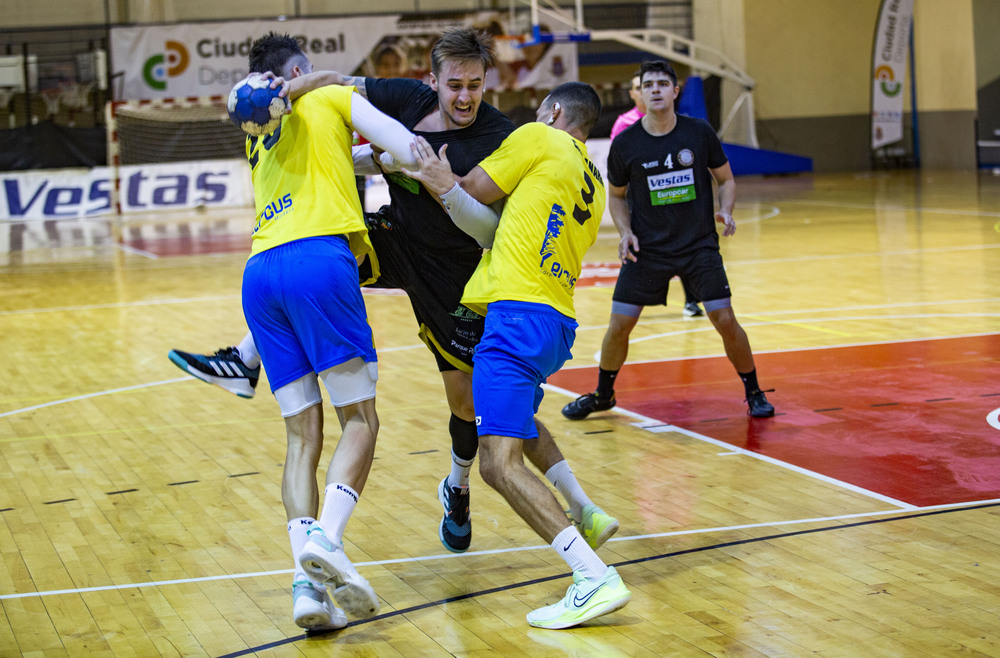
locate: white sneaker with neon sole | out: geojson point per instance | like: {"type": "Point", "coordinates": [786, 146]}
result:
{"type": "Point", "coordinates": [312, 608]}
{"type": "Point", "coordinates": [326, 562]}
{"type": "Point", "coordinates": [584, 600]}
{"type": "Point", "coordinates": [596, 526]}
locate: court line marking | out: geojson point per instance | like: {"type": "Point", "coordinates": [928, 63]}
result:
{"type": "Point", "coordinates": [517, 549]}
{"type": "Point", "coordinates": [892, 208]}
{"type": "Point", "coordinates": [95, 307]}
{"type": "Point", "coordinates": [136, 251]}
{"type": "Point", "coordinates": [783, 351]}
{"type": "Point", "coordinates": [993, 419]}
{"type": "Point", "coordinates": [830, 309]}
{"type": "Point", "coordinates": [544, 579]}
{"type": "Point", "coordinates": [94, 395]}
{"type": "Point", "coordinates": [860, 254]}
{"type": "Point", "coordinates": [801, 324]}
{"type": "Point", "coordinates": [772, 211]}
{"type": "Point", "coordinates": [659, 426]}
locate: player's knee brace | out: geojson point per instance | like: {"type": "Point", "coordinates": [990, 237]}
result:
{"type": "Point", "coordinates": [464, 438]}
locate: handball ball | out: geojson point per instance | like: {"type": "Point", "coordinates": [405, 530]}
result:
{"type": "Point", "coordinates": [254, 107]}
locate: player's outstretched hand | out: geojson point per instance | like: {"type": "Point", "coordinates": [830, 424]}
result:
{"type": "Point", "coordinates": [727, 219]}
{"type": "Point", "coordinates": [435, 170]}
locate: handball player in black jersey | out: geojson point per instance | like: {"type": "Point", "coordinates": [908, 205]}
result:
{"type": "Point", "coordinates": [660, 173]}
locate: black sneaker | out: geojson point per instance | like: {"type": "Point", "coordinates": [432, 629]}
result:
{"type": "Point", "coordinates": [692, 310]}
{"type": "Point", "coordinates": [585, 405]}
{"type": "Point", "coordinates": [758, 405]}
{"type": "Point", "coordinates": [225, 369]}
{"type": "Point", "coordinates": [455, 530]}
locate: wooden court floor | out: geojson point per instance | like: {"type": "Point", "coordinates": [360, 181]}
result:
{"type": "Point", "coordinates": [140, 509]}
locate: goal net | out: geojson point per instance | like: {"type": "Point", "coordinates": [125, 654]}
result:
{"type": "Point", "coordinates": [150, 132]}
{"type": "Point", "coordinates": [178, 161]}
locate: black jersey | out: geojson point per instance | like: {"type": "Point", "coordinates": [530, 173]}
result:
{"type": "Point", "coordinates": [414, 210]}
{"type": "Point", "coordinates": [669, 185]}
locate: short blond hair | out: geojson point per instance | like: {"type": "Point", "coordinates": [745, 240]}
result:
{"type": "Point", "coordinates": [463, 44]}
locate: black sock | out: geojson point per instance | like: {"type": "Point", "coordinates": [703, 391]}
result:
{"type": "Point", "coordinates": [749, 381]}
{"type": "Point", "coordinates": [606, 383]}
{"type": "Point", "coordinates": [464, 438]}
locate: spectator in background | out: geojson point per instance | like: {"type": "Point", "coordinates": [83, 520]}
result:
{"type": "Point", "coordinates": [389, 61]}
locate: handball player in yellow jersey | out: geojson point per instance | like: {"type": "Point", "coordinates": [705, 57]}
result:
{"type": "Point", "coordinates": [302, 303]}
{"type": "Point", "coordinates": [524, 286]}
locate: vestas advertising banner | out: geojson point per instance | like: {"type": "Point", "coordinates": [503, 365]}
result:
{"type": "Point", "coordinates": [85, 193]}
{"type": "Point", "coordinates": [889, 58]}
{"type": "Point", "coordinates": [207, 59]}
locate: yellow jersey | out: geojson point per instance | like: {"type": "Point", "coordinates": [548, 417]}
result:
{"type": "Point", "coordinates": [303, 175]}
{"type": "Point", "coordinates": [555, 201]}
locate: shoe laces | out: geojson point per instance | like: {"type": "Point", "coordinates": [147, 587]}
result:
{"type": "Point", "coordinates": [756, 395]}
{"type": "Point", "coordinates": [229, 354]}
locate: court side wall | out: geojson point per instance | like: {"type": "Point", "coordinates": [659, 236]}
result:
{"type": "Point", "coordinates": [812, 63]}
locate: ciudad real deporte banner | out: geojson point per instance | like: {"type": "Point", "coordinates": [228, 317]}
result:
{"type": "Point", "coordinates": [188, 60]}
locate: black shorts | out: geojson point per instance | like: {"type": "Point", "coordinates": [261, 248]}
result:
{"type": "Point", "coordinates": [434, 282]}
{"type": "Point", "coordinates": [645, 281]}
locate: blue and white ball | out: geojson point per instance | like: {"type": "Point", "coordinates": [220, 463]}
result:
{"type": "Point", "coordinates": [254, 107]}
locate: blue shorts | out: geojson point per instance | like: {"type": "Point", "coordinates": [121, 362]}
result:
{"type": "Point", "coordinates": [304, 308]}
{"type": "Point", "coordinates": [523, 343]}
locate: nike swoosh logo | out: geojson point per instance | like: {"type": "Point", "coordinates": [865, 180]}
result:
{"type": "Point", "coordinates": [579, 603]}
{"type": "Point", "coordinates": [566, 547]}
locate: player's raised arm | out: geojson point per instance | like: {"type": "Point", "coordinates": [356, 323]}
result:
{"type": "Point", "coordinates": [310, 81]}
{"type": "Point", "coordinates": [383, 131]}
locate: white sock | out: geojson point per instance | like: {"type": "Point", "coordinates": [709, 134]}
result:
{"type": "Point", "coordinates": [247, 350]}
{"type": "Point", "coordinates": [338, 505]}
{"type": "Point", "coordinates": [572, 547]}
{"type": "Point", "coordinates": [561, 476]}
{"type": "Point", "coordinates": [298, 530]}
{"type": "Point", "coordinates": [460, 470]}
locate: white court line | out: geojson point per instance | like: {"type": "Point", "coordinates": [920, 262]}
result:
{"type": "Point", "coordinates": [138, 252]}
{"type": "Point", "coordinates": [829, 309]}
{"type": "Point", "coordinates": [993, 419]}
{"type": "Point", "coordinates": [893, 208]}
{"type": "Point", "coordinates": [772, 211]}
{"type": "Point", "coordinates": [659, 426]}
{"type": "Point", "coordinates": [843, 318]}
{"type": "Point", "coordinates": [798, 349]}
{"type": "Point", "coordinates": [93, 307]}
{"type": "Point", "coordinates": [701, 329]}
{"type": "Point", "coordinates": [860, 254]}
{"type": "Point", "coordinates": [94, 395]}
{"type": "Point", "coordinates": [449, 556]}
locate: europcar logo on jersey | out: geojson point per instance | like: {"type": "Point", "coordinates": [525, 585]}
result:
{"type": "Point", "coordinates": [169, 64]}
{"type": "Point", "coordinates": [672, 187]}
{"type": "Point", "coordinates": [887, 81]}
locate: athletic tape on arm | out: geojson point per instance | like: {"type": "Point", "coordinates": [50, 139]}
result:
{"type": "Point", "coordinates": [478, 220]}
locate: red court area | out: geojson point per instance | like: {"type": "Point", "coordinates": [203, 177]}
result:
{"type": "Point", "coordinates": [905, 420]}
